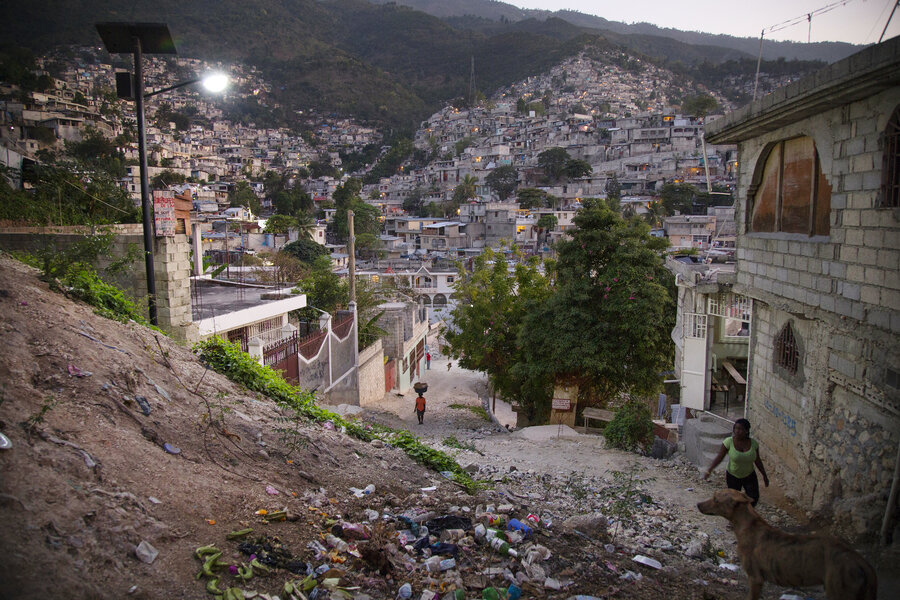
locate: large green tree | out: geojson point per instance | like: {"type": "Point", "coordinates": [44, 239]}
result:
{"type": "Point", "coordinates": [553, 162]}
{"type": "Point", "coordinates": [535, 198]}
{"type": "Point", "coordinates": [607, 326]}
{"type": "Point", "coordinates": [503, 180]}
{"type": "Point", "coordinates": [325, 290]}
{"type": "Point", "coordinates": [488, 320]}
{"type": "Point", "coordinates": [243, 195]}
{"type": "Point", "coordinates": [306, 250]}
{"type": "Point", "coordinates": [699, 105]}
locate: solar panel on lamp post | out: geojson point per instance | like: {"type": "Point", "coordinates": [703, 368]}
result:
{"type": "Point", "coordinates": [139, 39]}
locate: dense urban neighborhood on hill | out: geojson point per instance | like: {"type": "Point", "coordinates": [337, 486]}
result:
{"type": "Point", "coordinates": [608, 241]}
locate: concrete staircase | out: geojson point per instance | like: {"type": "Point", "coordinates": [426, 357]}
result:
{"type": "Point", "coordinates": [703, 437]}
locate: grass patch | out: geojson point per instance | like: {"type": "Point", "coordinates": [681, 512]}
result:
{"type": "Point", "coordinates": [452, 442]}
{"type": "Point", "coordinates": [229, 360]}
{"type": "Point", "coordinates": [478, 410]}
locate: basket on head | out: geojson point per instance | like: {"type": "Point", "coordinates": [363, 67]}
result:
{"type": "Point", "coordinates": [421, 387]}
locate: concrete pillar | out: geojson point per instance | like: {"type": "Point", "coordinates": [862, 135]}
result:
{"type": "Point", "coordinates": [255, 349]}
{"type": "Point", "coordinates": [198, 248]}
{"type": "Point", "coordinates": [287, 331]}
{"type": "Point", "coordinates": [173, 287]}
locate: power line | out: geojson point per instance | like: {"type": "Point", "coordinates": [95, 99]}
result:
{"type": "Point", "coordinates": [790, 23]}
{"type": "Point", "coordinates": [805, 17]}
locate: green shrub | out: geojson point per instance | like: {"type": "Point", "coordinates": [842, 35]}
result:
{"type": "Point", "coordinates": [631, 429]}
{"type": "Point", "coordinates": [228, 359]}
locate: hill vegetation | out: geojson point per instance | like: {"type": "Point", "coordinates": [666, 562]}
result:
{"type": "Point", "coordinates": [388, 64]}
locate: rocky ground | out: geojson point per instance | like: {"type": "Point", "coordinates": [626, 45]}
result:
{"type": "Point", "coordinates": [127, 455]}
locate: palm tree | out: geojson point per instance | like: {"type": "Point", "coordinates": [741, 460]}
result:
{"type": "Point", "coordinates": [468, 184]}
{"type": "Point", "coordinates": [306, 224]}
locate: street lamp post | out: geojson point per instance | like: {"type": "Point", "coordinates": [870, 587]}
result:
{"type": "Point", "coordinates": [152, 38]}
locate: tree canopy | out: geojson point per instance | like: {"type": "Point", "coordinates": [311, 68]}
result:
{"type": "Point", "coordinates": [488, 319]}
{"type": "Point", "coordinates": [535, 198]}
{"type": "Point", "coordinates": [606, 327]}
{"type": "Point", "coordinates": [699, 105]}
{"type": "Point", "coordinates": [503, 180]}
{"type": "Point", "coordinates": [306, 250]}
{"type": "Point", "coordinates": [243, 195]}
{"type": "Point", "coordinates": [553, 162]}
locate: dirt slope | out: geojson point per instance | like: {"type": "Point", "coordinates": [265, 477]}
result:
{"type": "Point", "coordinates": [76, 487]}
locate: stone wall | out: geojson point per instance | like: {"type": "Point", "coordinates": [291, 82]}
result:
{"type": "Point", "coordinates": [171, 258]}
{"type": "Point", "coordinates": [371, 375]}
{"type": "Point", "coordinates": [834, 426]}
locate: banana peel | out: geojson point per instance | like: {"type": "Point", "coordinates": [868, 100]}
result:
{"type": "Point", "coordinates": [234, 535]}
{"type": "Point", "coordinates": [259, 567]}
{"type": "Point", "coordinates": [204, 550]}
{"type": "Point", "coordinates": [207, 569]}
{"type": "Point", "coordinates": [212, 587]}
{"type": "Point", "coordinates": [245, 572]}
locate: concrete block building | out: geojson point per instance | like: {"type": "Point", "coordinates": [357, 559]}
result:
{"type": "Point", "coordinates": [818, 252]}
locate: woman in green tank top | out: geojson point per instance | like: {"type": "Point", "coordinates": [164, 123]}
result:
{"type": "Point", "coordinates": [743, 456]}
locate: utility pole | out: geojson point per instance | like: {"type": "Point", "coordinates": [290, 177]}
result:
{"type": "Point", "coordinates": [351, 248]}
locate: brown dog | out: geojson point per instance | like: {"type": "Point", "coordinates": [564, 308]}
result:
{"type": "Point", "coordinates": [768, 554]}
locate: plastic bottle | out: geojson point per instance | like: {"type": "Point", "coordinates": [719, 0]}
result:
{"type": "Point", "coordinates": [369, 489]}
{"type": "Point", "coordinates": [514, 592]}
{"type": "Point", "coordinates": [433, 564]}
{"type": "Point", "coordinates": [502, 547]}
{"type": "Point", "coordinates": [337, 543]}
{"type": "Point", "coordinates": [447, 564]}
{"type": "Point", "coordinates": [490, 593]}
{"type": "Point", "coordinates": [480, 531]}
{"type": "Point", "coordinates": [517, 525]}
{"type": "Point", "coordinates": [452, 535]}
{"type": "Point", "coordinates": [490, 534]}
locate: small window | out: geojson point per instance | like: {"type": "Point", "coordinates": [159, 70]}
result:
{"type": "Point", "coordinates": [787, 353]}
{"type": "Point", "coordinates": [792, 194]}
{"type": "Point", "coordinates": [890, 171]}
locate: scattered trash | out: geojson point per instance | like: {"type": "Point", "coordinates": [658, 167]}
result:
{"type": "Point", "coordinates": [146, 552]}
{"type": "Point", "coordinates": [145, 406]}
{"type": "Point", "coordinates": [647, 561]}
{"type": "Point", "coordinates": [359, 493]}
{"type": "Point", "coordinates": [730, 567]}
{"type": "Point", "coordinates": [517, 525]}
{"type": "Point", "coordinates": [171, 449]}
{"type": "Point", "coordinates": [271, 491]}
{"type": "Point", "coordinates": [328, 425]}
{"type": "Point", "coordinates": [5, 443]}
{"type": "Point", "coordinates": [609, 548]}
{"type": "Point", "coordinates": [552, 584]}
{"type": "Point", "coordinates": [631, 576]}
{"type": "Point", "coordinates": [405, 591]}
{"type": "Point", "coordinates": [154, 500]}
{"type": "Point", "coordinates": [76, 372]}
{"type": "Point", "coordinates": [429, 488]}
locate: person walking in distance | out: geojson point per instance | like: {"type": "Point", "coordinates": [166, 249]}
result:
{"type": "Point", "coordinates": [420, 408]}
{"type": "Point", "coordinates": [743, 455]}
{"type": "Point", "coordinates": [428, 360]}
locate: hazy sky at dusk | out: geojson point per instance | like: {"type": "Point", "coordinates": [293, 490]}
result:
{"type": "Point", "coordinates": [854, 21]}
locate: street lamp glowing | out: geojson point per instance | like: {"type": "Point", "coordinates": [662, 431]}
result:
{"type": "Point", "coordinates": [215, 82]}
